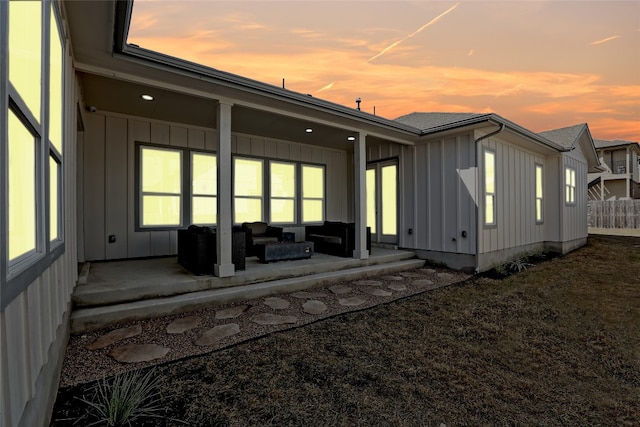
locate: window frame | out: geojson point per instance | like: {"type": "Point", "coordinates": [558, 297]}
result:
{"type": "Point", "coordinates": [192, 193]}
{"type": "Point", "coordinates": [540, 198]}
{"type": "Point", "coordinates": [323, 199]}
{"type": "Point", "coordinates": [19, 273]}
{"type": "Point", "coordinates": [262, 197]}
{"type": "Point", "coordinates": [570, 187]}
{"type": "Point", "coordinates": [485, 193]}
{"type": "Point", "coordinates": [293, 198]}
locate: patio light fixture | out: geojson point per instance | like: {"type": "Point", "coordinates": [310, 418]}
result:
{"type": "Point", "coordinates": [147, 97]}
{"type": "Point", "coordinates": [351, 138]}
{"type": "Point", "coordinates": [308, 130]}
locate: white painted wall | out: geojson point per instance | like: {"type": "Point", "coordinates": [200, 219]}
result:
{"type": "Point", "coordinates": [109, 179]}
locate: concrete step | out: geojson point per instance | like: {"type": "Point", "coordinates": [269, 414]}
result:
{"type": "Point", "coordinates": [132, 280]}
{"type": "Point", "coordinates": [87, 319]}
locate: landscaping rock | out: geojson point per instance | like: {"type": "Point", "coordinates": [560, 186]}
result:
{"type": "Point", "coordinates": [428, 270]}
{"type": "Point", "coordinates": [314, 307]}
{"type": "Point", "coordinates": [217, 333]}
{"type": "Point", "coordinates": [277, 303]}
{"type": "Point", "coordinates": [184, 324]}
{"type": "Point", "coordinates": [445, 276]}
{"type": "Point", "coordinates": [135, 353]}
{"type": "Point", "coordinates": [369, 283]}
{"type": "Point", "coordinates": [352, 301]}
{"type": "Point", "coordinates": [306, 295]}
{"type": "Point", "coordinates": [423, 283]}
{"type": "Point", "coordinates": [378, 292]}
{"type": "Point", "coordinates": [115, 336]}
{"type": "Point", "coordinates": [397, 287]}
{"type": "Point", "coordinates": [393, 278]}
{"type": "Point", "coordinates": [273, 319]}
{"type": "Point", "coordinates": [409, 274]}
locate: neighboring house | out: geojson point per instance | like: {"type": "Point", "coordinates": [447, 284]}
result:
{"type": "Point", "coordinates": [84, 149]}
{"type": "Point", "coordinates": [620, 178]}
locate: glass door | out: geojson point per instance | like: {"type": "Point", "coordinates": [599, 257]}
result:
{"type": "Point", "coordinates": [382, 201]}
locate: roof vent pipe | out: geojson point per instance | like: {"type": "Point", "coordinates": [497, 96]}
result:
{"type": "Point", "coordinates": [358, 100]}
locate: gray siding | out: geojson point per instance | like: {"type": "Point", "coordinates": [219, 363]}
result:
{"type": "Point", "coordinates": [109, 174]}
{"type": "Point", "coordinates": [575, 215]}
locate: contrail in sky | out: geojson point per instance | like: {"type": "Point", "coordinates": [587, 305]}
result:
{"type": "Point", "coordinates": [608, 39]}
{"type": "Point", "coordinates": [428, 24]}
{"type": "Point", "coordinates": [327, 87]}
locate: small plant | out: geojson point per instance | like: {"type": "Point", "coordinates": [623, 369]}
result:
{"type": "Point", "coordinates": [125, 398]}
{"type": "Point", "coordinates": [518, 265]}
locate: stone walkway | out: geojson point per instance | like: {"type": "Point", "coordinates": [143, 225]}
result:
{"type": "Point", "coordinates": [160, 340]}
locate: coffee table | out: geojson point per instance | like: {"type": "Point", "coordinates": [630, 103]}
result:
{"type": "Point", "coordinates": [281, 251]}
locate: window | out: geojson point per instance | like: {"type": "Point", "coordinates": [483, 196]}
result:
{"type": "Point", "coordinates": [204, 189]}
{"type": "Point", "coordinates": [161, 185]}
{"type": "Point", "coordinates": [539, 181]}
{"type": "Point", "coordinates": [247, 190]}
{"type": "Point", "coordinates": [33, 116]}
{"type": "Point", "coordinates": [282, 178]}
{"type": "Point", "coordinates": [312, 193]}
{"type": "Point", "coordinates": [371, 199]}
{"type": "Point", "coordinates": [22, 189]}
{"type": "Point", "coordinates": [570, 185]}
{"type": "Point", "coordinates": [489, 187]}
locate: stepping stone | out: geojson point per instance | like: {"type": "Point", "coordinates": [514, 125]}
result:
{"type": "Point", "coordinates": [445, 276]}
{"type": "Point", "coordinates": [423, 283]}
{"type": "Point", "coordinates": [352, 301]}
{"type": "Point", "coordinates": [378, 292]}
{"type": "Point", "coordinates": [428, 270]}
{"type": "Point", "coordinates": [369, 282]}
{"type": "Point", "coordinates": [232, 312]}
{"type": "Point", "coordinates": [115, 336]}
{"type": "Point", "coordinates": [179, 326]}
{"type": "Point", "coordinates": [409, 274]}
{"type": "Point", "coordinates": [340, 289]}
{"type": "Point", "coordinates": [134, 353]}
{"type": "Point", "coordinates": [397, 287]}
{"type": "Point", "coordinates": [314, 307]}
{"type": "Point", "coordinates": [273, 319]}
{"type": "Point", "coordinates": [217, 333]}
{"type": "Point", "coordinates": [306, 295]}
{"type": "Point", "coordinates": [276, 303]}
{"type": "Point", "coordinates": [393, 278]}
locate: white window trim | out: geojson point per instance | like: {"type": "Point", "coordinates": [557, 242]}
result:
{"type": "Point", "coordinates": [192, 193]}
{"type": "Point", "coordinates": [485, 193]}
{"type": "Point", "coordinates": [540, 167]}
{"type": "Point", "coordinates": [293, 198]}
{"type": "Point", "coordinates": [570, 190]}
{"type": "Point", "coordinates": [322, 199]}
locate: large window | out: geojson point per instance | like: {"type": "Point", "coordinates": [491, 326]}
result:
{"type": "Point", "coordinates": [32, 175]}
{"type": "Point", "coordinates": [570, 185]}
{"type": "Point", "coordinates": [247, 190]}
{"type": "Point", "coordinates": [312, 193]}
{"type": "Point", "coordinates": [282, 178]}
{"type": "Point", "coordinates": [489, 187]}
{"type": "Point", "coordinates": [204, 189]}
{"type": "Point", "coordinates": [161, 185]}
{"type": "Point", "coordinates": [539, 192]}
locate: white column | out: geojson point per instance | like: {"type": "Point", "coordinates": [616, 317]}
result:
{"type": "Point", "coordinates": [360, 196]}
{"type": "Point", "coordinates": [628, 173]}
{"type": "Point", "coordinates": [224, 267]}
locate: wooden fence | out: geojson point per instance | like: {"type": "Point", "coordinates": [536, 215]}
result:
{"type": "Point", "coordinates": [614, 213]}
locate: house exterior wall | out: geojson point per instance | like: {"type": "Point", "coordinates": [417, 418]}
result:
{"type": "Point", "coordinates": [574, 221]}
{"type": "Point", "coordinates": [437, 191]}
{"type": "Point", "coordinates": [109, 179]}
{"type": "Point", "coordinates": [34, 326]}
{"type": "Point", "coordinates": [516, 230]}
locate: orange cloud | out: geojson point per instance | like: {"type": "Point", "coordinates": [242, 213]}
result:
{"type": "Point", "coordinates": [608, 39]}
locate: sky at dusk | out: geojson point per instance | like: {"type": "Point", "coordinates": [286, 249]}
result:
{"type": "Point", "coordinates": [541, 64]}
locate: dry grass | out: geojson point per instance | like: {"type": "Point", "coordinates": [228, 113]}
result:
{"type": "Point", "coordinates": [558, 344]}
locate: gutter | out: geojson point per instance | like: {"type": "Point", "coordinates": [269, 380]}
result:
{"type": "Point", "coordinates": [478, 225]}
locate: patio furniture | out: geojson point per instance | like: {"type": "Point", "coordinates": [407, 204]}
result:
{"type": "Point", "coordinates": [197, 249]}
{"type": "Point", "coordinates": [281, 251]}
{"type": "Point", "coordinates": [259, 233]}
{"type": "Point", "coordinates": [335, 238]}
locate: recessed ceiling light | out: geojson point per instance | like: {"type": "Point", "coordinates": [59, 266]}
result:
{"type": "Point", "coordinates": [308, 130]}
{"type": "Point", "coordinates": [351, 138]}
{"type": "Point", "coordinates": [147, 97]}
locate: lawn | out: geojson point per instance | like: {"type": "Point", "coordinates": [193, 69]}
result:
{"type": "Point", "coordinates": [556, 344]}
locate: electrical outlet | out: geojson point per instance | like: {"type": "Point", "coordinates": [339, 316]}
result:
{"type": "Point", "coordinates": [112, 238]}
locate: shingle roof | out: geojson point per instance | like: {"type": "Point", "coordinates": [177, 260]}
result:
{"type": "Point", "coordinates": [565, 137]}
{"type": "Point", "coordinates": [424, 121]}
{"type": "Point", "coordinates": [601, 143]}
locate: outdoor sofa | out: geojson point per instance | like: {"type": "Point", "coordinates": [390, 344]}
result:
{"type": "Point", "coordinates": [334, 238]}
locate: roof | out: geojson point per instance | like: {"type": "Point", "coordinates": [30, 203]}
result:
{"type": "Point", "coordinates": [424, 121]}
{"type": "Point", "coordinates": [566, 136]}
{"type": "Point", "coordinates": [601, 143]}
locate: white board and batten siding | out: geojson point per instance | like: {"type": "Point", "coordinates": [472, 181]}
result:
{"type": "Point", "coordinates": [575, 216]}
{"type": "Point", "coordinates": [516, 224]}
{"type": "Point", "coordinates": [109, 179]}
{"type": "Point", "coordinates": [437, 187]}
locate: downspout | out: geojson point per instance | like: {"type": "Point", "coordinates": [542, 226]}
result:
{"type": "Point", "coordinates": [478, 224]}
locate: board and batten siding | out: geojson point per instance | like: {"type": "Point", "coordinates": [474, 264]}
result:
{"type": "Point", "coordinates": [436, 194]}
{"type": "Point", "coordinates": [516, 224]}
{"type": "Point", "coordinates": [109, 179]}
{"type": "Point", "coordinates": [575, 215]}
{"type": "Point", "coordinates": [34, 327]}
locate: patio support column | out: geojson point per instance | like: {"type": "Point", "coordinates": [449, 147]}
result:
{"type": "Point", "coordinates": [224, 267]}
{"type": "Point", "coordinates": [360, 195]}
{"type": "Point", "coordinates": [628, 169]}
